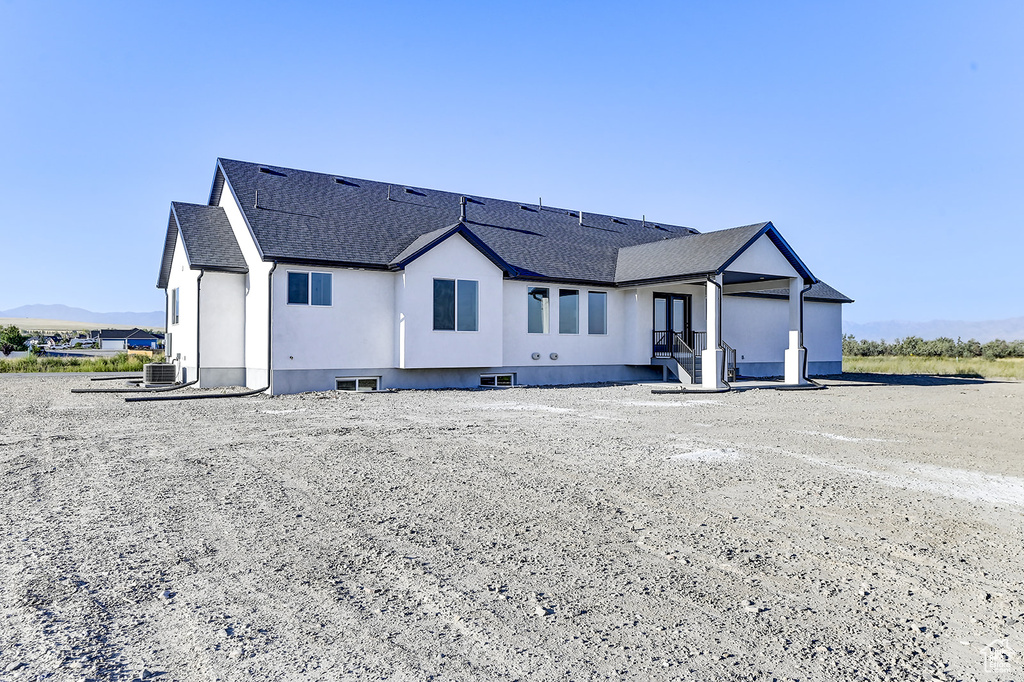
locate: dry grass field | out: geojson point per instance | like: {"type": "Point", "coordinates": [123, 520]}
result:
{"type": "Point", "coordinates": [871, 531]}
{"type": "Point", "coordinates": [1001, 368]}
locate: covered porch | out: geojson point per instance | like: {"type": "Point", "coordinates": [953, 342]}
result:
{"type": "Point", "coordinates": [703, 325]}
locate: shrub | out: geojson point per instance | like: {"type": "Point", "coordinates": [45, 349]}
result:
{"type": "Point", "coordinates": [13, 336]}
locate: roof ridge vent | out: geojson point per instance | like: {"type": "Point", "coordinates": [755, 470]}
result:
{"type": "Point", "coordinates": [271, 171]}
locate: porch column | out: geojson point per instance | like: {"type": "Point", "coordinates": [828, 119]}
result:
{"type": "Point", "coordinates": [796, 353]}
{"type": "Point", "coordinates": [712, 358]}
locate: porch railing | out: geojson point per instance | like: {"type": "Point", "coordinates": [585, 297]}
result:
{"type": "Point", "coordinates": [730, 362]}
{"type": "Point", "coordinates": [700, 341]}
{"type": "Point", "coordinates": [669, 344]}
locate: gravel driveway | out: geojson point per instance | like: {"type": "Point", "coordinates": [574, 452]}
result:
{"type": "Point", "coordinates": [865, 532]}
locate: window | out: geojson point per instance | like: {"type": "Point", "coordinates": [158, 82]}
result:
{"type": "Point", "coordinates": [568, 311]}
{"type": "Point", "coordinates": [357, 383]}
{"type": "Point", "coordinates": [309, 288]}
{"type": "Point", "coordinates": [456, 305]}
{"type": "Point", "coordinates": [175, 304]}
{"type": "Point", "coordinates": [597, 312]}
{"type": "Point", "coordinates": [320, 288]}
{"type": "Point", "coordinates": [499, 380]}
{"type": "Point", "coordinates": [537, 310]}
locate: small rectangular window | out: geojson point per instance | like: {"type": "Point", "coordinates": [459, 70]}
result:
{"type": "Point", "coordinates": [444, 304]}
{"type": "Point", "coordinates": [357, 383]}
{"type": "Point", "coordinates": [298, 288]}
{"type": "Point", "coordinates": [537, 310]}
{"type": "Point", "coordinates": [175, 304]}
{"type": "Point", "coordinates": [466, 315]}
{"type": "Point", "coordinates": [320, 288]}
{"type": "Point", "coordinates": [497, 380]}
{"type": "Point", "coordinates": [568, 311]}
{"type": "Point", "coordinates": [597, 312]}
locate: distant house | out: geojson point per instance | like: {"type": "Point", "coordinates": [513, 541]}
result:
{"type": "Point", "coordinates": [123, 339]}
{"type": "Point", "coordinates": [300, 281]}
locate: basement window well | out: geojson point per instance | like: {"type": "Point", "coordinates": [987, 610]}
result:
{"type": "Point", "coordinates": [357, 383]}
{"type": "Point", "coordinates": [499, 380]}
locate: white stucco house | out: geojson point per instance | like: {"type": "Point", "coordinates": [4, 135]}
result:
{"type": "Point", "coordinates": [299, 281]}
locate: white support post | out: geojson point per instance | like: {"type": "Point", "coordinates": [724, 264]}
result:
{"type": "Point", "coordinates": [796, 353]}
{"type": "Point", "coordinates": [713, 357]}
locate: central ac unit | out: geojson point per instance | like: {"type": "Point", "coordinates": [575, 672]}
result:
{"type": "Point", "coordinates": [159, 373]}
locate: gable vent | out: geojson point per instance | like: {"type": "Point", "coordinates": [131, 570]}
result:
{"type": "Point", "coordinates": [271, 171]}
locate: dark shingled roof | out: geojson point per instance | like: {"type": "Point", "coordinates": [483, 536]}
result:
{"type": "Point", "coordinates": [135, 333]}
{"type": "Point", "coordinates": [206, 233]}
{"type": "Point", "coordinates": [312, 217]}
{"type": "Point", "coordinates": [819, 292]}
{"type": "Point", "coordinates": [694, 254]}
{"type": "Point", "coordinates": [315, 218]}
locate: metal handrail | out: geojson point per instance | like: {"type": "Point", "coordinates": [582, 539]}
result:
{"type": "Point", "coordinates": [730, 362]}
{"type": "Point", "coordinates": [675, 347]}
{"type": "Point", "coordinates": [700, 341]}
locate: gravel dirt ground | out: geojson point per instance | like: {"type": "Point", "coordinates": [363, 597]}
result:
{"type": "Point", "coordinates": [871, 531]}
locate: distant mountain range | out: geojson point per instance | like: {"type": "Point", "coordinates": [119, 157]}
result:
{"type": "Point", "coordinates": [64, 312]}
{"type": "Point", "coordinates": [1010, 329]}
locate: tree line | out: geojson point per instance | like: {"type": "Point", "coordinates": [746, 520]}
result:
{"type": "Point", "coordinates": [941, 347]}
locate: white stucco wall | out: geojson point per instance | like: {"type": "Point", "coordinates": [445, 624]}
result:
{"type": "Point", "coordinates": [183, 334]}
{"type": "Point", "coordinates": [356, 330]}
{"type": "Point", "coordinates": [256, 289]}
{"type": "Point", "coordinates": [823, 331]}
{"type": "Point", "coordinates": [222, 320]}
{"type": "Point", "coordinates": [418, 344]}
{"type": "Point", "coordinates": [764, 258]}
{"type": "Point", "coordinates": [758, 328]}
{"type": "Point", "coordinates": [582, 348]}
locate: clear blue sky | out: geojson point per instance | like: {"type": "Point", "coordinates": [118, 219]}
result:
{"type": "Point", "coordinates": [885, 140]}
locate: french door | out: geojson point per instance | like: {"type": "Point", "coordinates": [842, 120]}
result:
{"type": "Point", "coordinates": [671, 315]}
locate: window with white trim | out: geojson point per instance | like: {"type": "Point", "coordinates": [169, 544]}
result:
{"type": "Point", "coordinates": [597, 312]}
{"type": "Point", "coordinates": [456, 305]}
{"type": "Point", "coordinates": [568, 311]}
{"type": "Point", "coordinates": [537, 310]}
{"type": "Point", "coordinates": [309, 288]}
{"type": "Point", "coordinates": [357, 383]}
{"type": "Point", "coordinates": [175, 304]}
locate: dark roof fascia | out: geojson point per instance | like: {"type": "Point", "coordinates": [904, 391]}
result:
{"type": "Point", "coordinates": [165, 260]}
{"type": "Point", "coordinates": [217, 187]}
{"type": "Point", "coordinates": [170, 242]}
{"type": "Point", "coordinates": [467, 234]}
{"type": "Point", "coordinates": [664, 280]}
{"type": "Point", "coordinates": [314, 263]}
{"type": "Point", "coordinates": [758, 294]}
{"type": "Point", "coordinates": [780, 243]}
{"type": "Point", "coordinates": [177, 227]}
{"type": "Point", "coordinates": [241, 209]}
{"type": "Point", "coordinates": [534, 277]}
